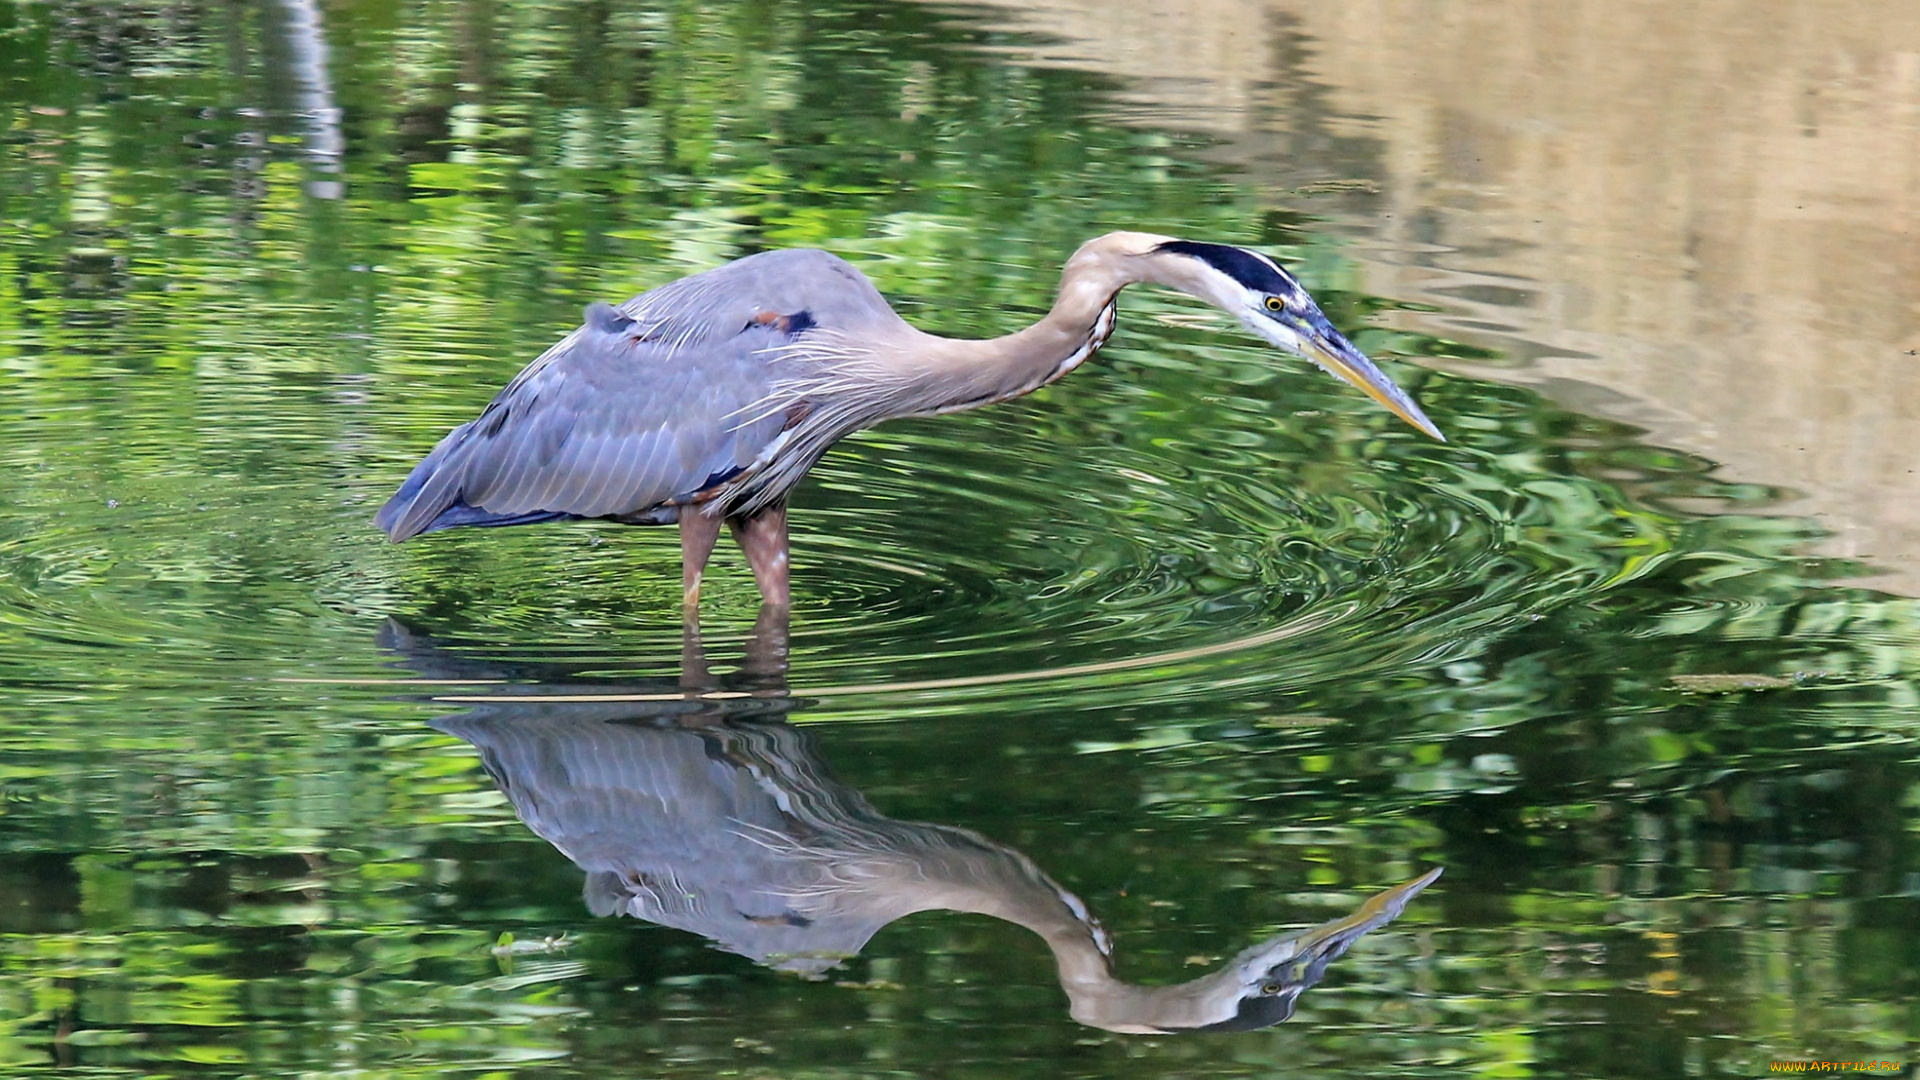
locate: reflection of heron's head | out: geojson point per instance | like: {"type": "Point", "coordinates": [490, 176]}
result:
{"type": "Point", "coordinates": [1259, 987]}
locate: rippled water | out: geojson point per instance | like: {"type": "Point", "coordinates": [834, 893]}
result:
{"type": "Point", "coordinates": [1217, 645]}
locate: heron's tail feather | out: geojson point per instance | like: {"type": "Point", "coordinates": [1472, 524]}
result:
{"type": "Point", "coordinates": [431, 499]}
{"type": "Point", "coordinates": [461, 514]}
{"type": "Point", "coordinates": [423, 506]}
{"type": "Point", "coordinates": [420, 500]}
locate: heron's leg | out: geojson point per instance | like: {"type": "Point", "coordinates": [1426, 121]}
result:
{"type": "Point", "coordinates": [699, 531]}
{"type": "Point", "coordinates": [764, 538]}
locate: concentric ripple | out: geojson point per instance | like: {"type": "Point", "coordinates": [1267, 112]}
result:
{"type": "Point", "coordinates": [1119, 534]}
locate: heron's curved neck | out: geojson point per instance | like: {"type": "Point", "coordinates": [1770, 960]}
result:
{"type": "Point", "coordinates": [952, 374]}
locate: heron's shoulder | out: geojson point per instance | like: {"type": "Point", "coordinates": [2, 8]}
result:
{"type": "Point", "coordinates": [790, 282]}
{"type": "Point", "coordinates": [800, 269]}
{"type": "Point", "coordinates": [796, 258]}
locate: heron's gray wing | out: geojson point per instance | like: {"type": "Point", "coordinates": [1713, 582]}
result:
{"type": "Point", "coordinates": [609, 424]}
{"type": "Point", "coordinates": [645, 404]}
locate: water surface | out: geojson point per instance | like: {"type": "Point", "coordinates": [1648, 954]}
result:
{"type": "Point", "coordinates": [1216, 644]}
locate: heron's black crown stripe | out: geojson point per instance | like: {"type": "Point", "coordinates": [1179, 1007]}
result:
{"type": "Point", "coordinates": [1242, 266]}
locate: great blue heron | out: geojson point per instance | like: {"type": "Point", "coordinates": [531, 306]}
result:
{"type": "Point", "coordinates": [707, 399]}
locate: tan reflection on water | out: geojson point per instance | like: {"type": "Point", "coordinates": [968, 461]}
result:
{"type": "Point", "coordinates": [1696, 217]}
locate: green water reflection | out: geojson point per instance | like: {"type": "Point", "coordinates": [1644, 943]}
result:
{"type": "Point", "coordinates": [1305, 651]}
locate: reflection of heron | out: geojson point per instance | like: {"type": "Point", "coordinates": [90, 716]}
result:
{"type": "Point", "coordinates": [708, 814]}
{"type": "Point", "coordinates": [707, 399]}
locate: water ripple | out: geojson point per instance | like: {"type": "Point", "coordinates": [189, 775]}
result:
{"type": "Point", "coordinates": [1123, 532]}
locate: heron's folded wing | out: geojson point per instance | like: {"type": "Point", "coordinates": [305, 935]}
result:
{"type": "Point", "coordinates": [603, 424]}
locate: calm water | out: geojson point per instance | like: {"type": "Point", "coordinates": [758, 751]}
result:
{"type": "Point", "coordinates": [1198, 635]}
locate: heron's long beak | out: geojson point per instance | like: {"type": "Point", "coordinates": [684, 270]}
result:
{"type": "Point", "coordinates": [1330, 349]}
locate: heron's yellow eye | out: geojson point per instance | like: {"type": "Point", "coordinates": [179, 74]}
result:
{"type": "Point", "coordinates": [1270, 989]}
{"type": "Point", "coordinates": [1274, 303]}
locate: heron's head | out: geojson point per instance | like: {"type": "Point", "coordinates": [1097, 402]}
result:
{"type": "Point", "coordinates": [1260, 987]}
{"type": "Point", "coordinates": [1263, 296]}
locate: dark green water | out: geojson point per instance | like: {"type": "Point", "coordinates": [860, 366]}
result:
{"type": "Point", "coordinates": [1218, 645]}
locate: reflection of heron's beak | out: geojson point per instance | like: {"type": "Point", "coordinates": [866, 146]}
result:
{"type": "Point", "coordinates": [1329, 940]}
{"type": "Point", "coordinates": [1330, 349]}
{"type": "Point", "coordinates": [1269, 978]}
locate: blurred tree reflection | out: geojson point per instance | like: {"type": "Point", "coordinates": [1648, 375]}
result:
{"type": "Point", "coordinates": [209, 372]}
